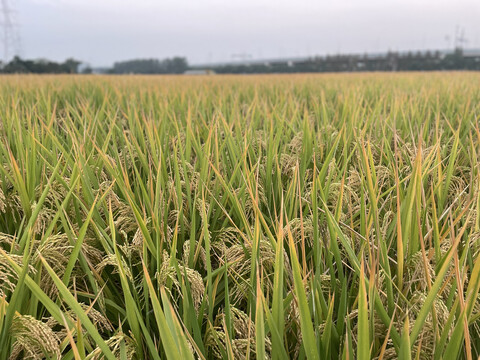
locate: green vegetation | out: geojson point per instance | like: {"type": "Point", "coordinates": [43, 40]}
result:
{"type": "Point", "coordinates": [41, 66]}
{"type": "Point", "coordinates": [175, 65]}
{"type": "Point", "coordinates": [276, 217]}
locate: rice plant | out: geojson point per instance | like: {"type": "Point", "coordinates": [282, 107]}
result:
{"type": "Point", "coordinates": [262, 217]}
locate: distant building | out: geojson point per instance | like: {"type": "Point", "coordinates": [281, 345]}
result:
{"type": "Point", "coordinates": [199, 72]}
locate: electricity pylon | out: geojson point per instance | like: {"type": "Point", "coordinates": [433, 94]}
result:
{"type": "Point", "coordinates": [10, 36]}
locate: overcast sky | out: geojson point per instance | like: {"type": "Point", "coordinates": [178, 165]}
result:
{"type": "Point", "coordinates": [103, 31]}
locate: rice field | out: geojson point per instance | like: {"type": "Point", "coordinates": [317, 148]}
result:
{"type": "Point", "coordinates": [240, 217]}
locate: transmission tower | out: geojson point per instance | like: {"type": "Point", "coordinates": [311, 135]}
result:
{"type": "Point", "coordinates": [10, 36]}
{"type": "Point", "coordinates": [460, 39]}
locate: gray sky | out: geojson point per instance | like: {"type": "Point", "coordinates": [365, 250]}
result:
{"type": "Point", "coordinates": [103, 31]}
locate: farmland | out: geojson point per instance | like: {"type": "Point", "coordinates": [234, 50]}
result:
{"type": "Point", "coordinates": [240, 217]}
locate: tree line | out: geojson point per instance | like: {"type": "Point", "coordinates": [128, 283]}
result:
{"type": "Point", "coordinates": [175, 65]}
{"type": "Point", "coordinates": [41, 66]}
{"type": "Point", "coordinates": [392, 61]}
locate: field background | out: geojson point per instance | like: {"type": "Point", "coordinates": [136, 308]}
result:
{"type": "Point", "coordinates": [241, 217]}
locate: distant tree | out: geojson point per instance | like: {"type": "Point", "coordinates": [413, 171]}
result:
{"type": "Point", "coordinates": [16, 65]}
{"type": "Point", "coordinates": [176, 65]}
{"type": "Point", "coordinates": [455, 60]}
{"type": "Point", "coordinates": [40, 66]}
{"type": "Point", "coordinates": [71, 66]}
{"type": "Point", "coordinates": [87, 70]}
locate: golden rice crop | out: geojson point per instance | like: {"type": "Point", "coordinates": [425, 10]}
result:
{"type": "Point", "coordinates": [230, 217]}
